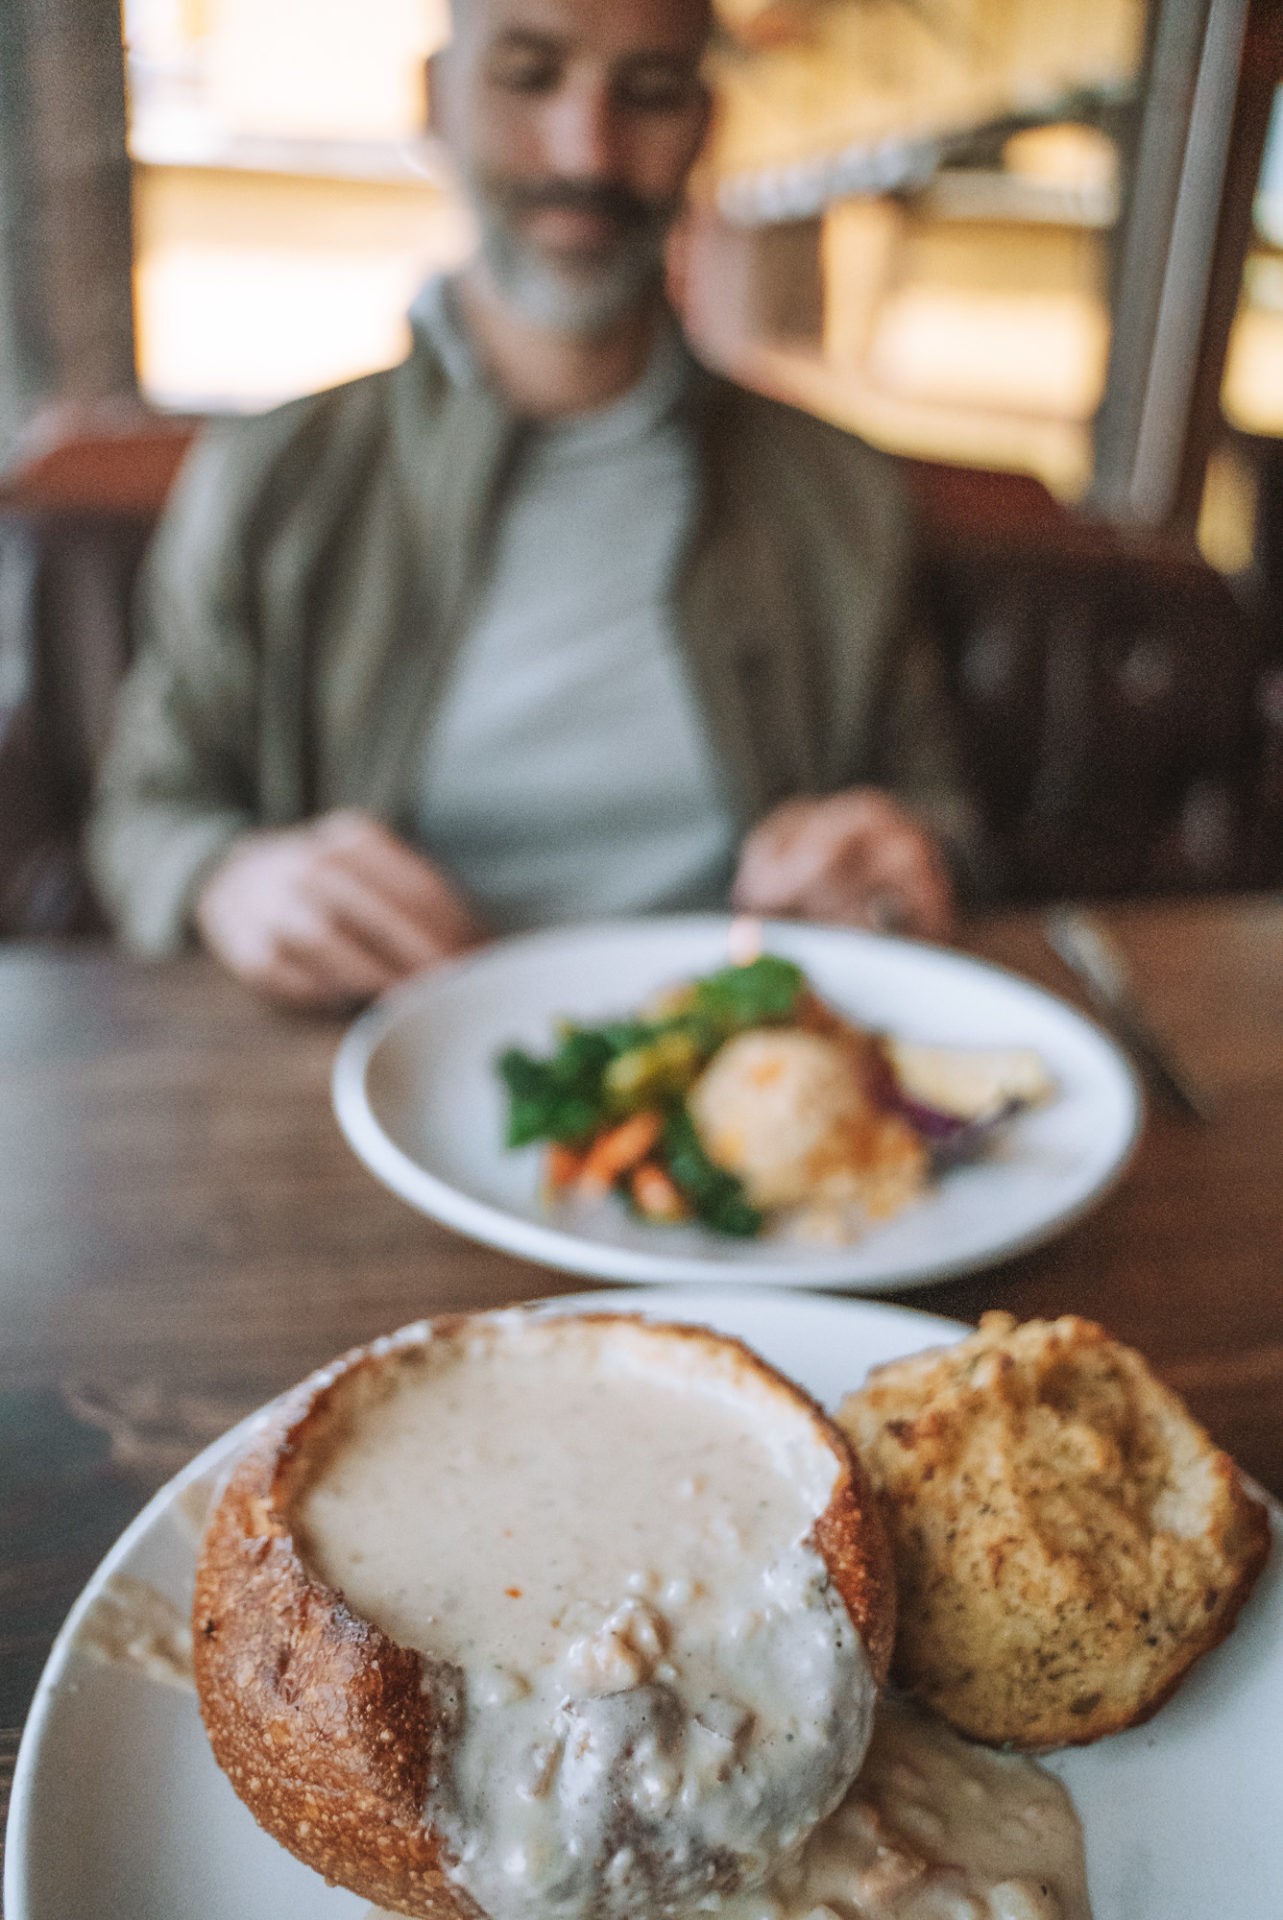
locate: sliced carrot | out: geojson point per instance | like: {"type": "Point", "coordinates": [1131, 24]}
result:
{"type": "Point", "coordinates": [617, 1151]}
{"type": "Point", "coordinates": [562, 1167]}
{"type": "Point", "coordinates": [655, 1194]}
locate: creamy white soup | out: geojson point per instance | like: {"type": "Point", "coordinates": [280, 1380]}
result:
{"type": "Point", "coordinates": [933, 1829]}
{"type": "Point", "coordinates": [601, 1545]}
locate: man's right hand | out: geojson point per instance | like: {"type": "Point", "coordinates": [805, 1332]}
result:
{"type": "Point", "coordinates": [331, 912]}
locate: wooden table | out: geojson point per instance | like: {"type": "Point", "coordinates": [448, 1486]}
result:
{"type": "Point", "coordinates": [183, 1231]}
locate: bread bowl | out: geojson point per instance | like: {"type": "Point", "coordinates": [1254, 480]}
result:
{"type": "Point", "coordinates": [353, 1688]}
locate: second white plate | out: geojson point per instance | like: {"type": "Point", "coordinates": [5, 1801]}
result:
{"type": "Point", "coordinates": [419, 1099]}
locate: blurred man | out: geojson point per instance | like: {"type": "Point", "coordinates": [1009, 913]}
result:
{"type": "Point", "coordinates": [545, 623]}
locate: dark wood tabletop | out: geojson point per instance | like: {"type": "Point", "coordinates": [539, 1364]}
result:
{"type": "Point", "coordinates": [183, 1230]}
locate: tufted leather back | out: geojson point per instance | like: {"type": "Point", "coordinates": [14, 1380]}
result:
{"type": "Point", "coordinates": [1124, 729]}
{"type": "Point", "coordinates": [1117, 705]}
{"type": "Point", "coordinates": [75, 518]}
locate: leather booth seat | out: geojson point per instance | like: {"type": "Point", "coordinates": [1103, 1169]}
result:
{"type": "Point", "coordinates": [1123, 722]}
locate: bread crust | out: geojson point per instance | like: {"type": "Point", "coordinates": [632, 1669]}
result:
{"type": "Point", "coordinates": [1067, 1539]}
{"type": "Point", "coordinates": [324, 1725]}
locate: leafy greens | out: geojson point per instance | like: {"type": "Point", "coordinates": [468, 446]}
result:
{"type": "Point", "coordinates": [598, 1076]}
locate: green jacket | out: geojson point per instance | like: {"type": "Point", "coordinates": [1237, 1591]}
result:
{"type": "Point", "coordinates": [315, 571]}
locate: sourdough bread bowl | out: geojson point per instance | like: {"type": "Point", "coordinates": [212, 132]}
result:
{"type": "Point", "coordinates": [638, 1534]}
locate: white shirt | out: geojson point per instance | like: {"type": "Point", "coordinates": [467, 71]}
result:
{"type": "Point", "coordinates": [567, 773]}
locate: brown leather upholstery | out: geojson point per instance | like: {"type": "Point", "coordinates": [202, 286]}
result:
{"type": "Point", "coordinates": [75, 517]}
{"type": "Point", "coordinates": [1123, 725]}
{"type": "Point", "coordinates": [1122, 721]}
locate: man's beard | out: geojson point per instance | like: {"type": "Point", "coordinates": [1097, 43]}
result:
{"type": "Point", "coordinates": [584, 297]}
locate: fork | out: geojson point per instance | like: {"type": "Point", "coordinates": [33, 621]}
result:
{"type": "Point", "coordinates": [1090, 954]}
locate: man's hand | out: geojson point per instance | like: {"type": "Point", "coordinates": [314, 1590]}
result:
{"type": "Point", "coordinates": [851, 858]}
{"type": "Point", "coordinates": [331, 912]}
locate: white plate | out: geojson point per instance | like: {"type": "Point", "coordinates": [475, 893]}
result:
{"type": "Point", "coordinates": [119, 1812]}
{"type": "Point", "coordinates": [417, 1094]}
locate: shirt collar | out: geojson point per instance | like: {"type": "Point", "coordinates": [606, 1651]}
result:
{"type": "Point", "coordinates": [435, 318]}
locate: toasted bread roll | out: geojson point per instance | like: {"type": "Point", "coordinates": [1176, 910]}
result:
{"type": "Point", "coordinates": [450, 1530]}
{"type": "Point", "coordinates": [1067, 1540]}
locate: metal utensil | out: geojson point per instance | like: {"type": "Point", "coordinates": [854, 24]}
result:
{"type": "Point", "coordinates": [1092, 956]}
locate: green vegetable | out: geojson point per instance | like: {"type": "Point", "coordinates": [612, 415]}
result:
{"type": "Point", "coordinates": [764, 992]}
{"type": "Point", "coordinates": [557, 1099]}
{"type": "Point", "coordinates": [716, 1196]}
{"type": "Point", "coordinates": [599, 1075]}
{"type": "Point", "coordinates": [661, 1069]}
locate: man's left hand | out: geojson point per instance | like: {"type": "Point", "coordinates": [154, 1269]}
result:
{"type": "Point", "coordinates": [855, 859]}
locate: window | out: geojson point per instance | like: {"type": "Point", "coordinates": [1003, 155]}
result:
{"type": "Point", "coordinates": [904, 220]}
{"type": "Point", "coordinates": [287, 203]}
{"type": "Point", "coordinates": [1252, 394]}
{"type": "Point", "coordinates": [961, 166]}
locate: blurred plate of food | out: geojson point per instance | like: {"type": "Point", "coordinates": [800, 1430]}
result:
{"type": "Point", "coordinates": [685, 1099]}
